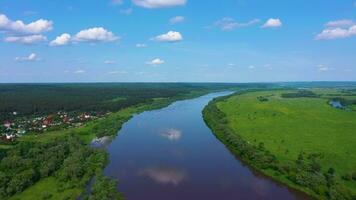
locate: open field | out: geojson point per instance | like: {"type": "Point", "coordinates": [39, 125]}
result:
{"type": "Point", "coordinates": [292, 127]}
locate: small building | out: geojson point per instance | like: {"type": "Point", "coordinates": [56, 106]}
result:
{"type": "Point", "coordinates": [7, 124]}
{"type": "Point", "coordinates": [10, 137]}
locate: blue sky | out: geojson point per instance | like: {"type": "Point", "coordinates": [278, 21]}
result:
{"type": "Point", "coordinates": [177, 40]}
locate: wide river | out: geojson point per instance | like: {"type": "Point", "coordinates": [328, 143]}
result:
{"type": "Point", "coordinates": [170, 153]}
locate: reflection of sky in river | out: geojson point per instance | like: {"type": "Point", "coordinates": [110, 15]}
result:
{"type": "Point", "coordinates": [164, 175]}
{"type": "Point", "coordinates": [172, 134]}
{"type": "Point", "coordinates": [102, 142]}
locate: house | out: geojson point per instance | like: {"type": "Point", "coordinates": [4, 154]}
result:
{"type": "Point", "coordinates": [10, 137]}
{"type": "Point", "coordinates": [47, 121]}
{"type": "Point", "coordinates": [7, 124]}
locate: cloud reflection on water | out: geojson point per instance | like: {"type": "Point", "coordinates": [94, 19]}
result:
{"type": "Point", "coordinates": [164, 175]}
{"type": "Point", "coordinates": [172, 134]}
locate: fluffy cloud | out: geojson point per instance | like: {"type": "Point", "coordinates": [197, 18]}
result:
{"type": "Point", "coordinates": [228, 24]}
{"type": "Point", "coordinates": [141, 45]}
{"type": "Point", "coordinates": [31, 57]}
{"type": "Point", "coordinates": [176, 19]}
{"type": "Point", "coordinates": [156, 61]}
{"type": "Point", "coordinates": [96, 34]}
{"type": "Point", "coordinates": [61, 40]}
{"type": "Point", "coordinates": [170, 36]}
{"type": "Point", "coordinates": [19, 27]}
{"type": "Point", "coordinates": [30, 39]}
{"type": "Point", "coordinates": [337, 29]}
{"type": "Point", "coordinates": [272, 23]}
{"type": "Point", "coordinates": [159, 3]}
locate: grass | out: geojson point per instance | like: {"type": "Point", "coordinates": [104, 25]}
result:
{"type": "Point", "coordinates": [288, 126]}
{"type": "Point", "coordinates": [47, 188]}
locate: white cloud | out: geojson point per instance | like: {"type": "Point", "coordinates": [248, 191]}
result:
{"type": "Point", "coordinates": [176, 19]}
{"type": "Point", "coordinates": [156, 61]}
{"type": "Point", "coordinates": [96, 34]}
{"type": "Point", "coordinates": [159, 3]}
{"type": "Point", "coordinates": [79, 71]}
{"type": "Point", "coordinates": [228, 24]}
{"type": "Point", "coordinates": [141, 45]}
{"type": "Point", "coordinates": [61, 40]}
{"type": "Point", "coordinates": [31, 57]}
{"type": "Point", "coordinates": [251, 67]}
{"type": "Point", "coordinates": [272, 23]}
{"type": "Point", "coordinates": [170, 36]}
{"type": "Point", "coordinates": [340, 23]}
{"type": "Point", "coordinates": [338, 29]}
{"type": "Point", "coordinates": [109, 62]}
{"type": "Point", "coordinates": [19, 26]}
{"type": "Point", "coordinates": [30, 39]}
{"type": "Point", "coordinates": [336, 33]}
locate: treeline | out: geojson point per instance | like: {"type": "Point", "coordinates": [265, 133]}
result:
{"type": "Point", "coordinates": [305, 172]}
{"type": "Point", "coordinates": [68, 159]}
{"type": "Point", "coordinates": [345, 102]}
{"type": "Point", "coordinates": [300, 94]}
{"type": "Point", "coordinates": [28, 99]}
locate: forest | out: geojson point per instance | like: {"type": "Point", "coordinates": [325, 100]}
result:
{"type": "Point", "coordinates": [38, 99]}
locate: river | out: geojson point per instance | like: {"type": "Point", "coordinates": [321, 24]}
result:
{"type": "Point", "coordinates": [170, 153]}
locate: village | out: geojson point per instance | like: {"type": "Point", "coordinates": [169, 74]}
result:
{"type": "Point", "coordinates": [13, 129]}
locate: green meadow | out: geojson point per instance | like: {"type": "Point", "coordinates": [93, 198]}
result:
{"type": "Point", "coordinates": [290, 129]}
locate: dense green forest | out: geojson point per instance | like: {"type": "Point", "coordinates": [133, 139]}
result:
{"type": "Point", "coordinates": [67, 158]}
{"type": "Point", "coordinates": [29, 99]}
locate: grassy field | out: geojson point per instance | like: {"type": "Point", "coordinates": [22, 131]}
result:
{"type": "Point", "coordinates": [288, 127]}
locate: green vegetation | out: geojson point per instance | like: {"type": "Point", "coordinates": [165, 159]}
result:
{"type": "Point", "coordinates": [300, 140]}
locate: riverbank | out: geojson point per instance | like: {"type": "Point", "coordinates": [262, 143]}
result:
{"type": "Point", "coordinates": [264, 130]}
{"type": "Point", "coordinates": [108, 126]}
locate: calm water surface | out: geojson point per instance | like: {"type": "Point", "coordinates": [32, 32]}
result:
{"type": "Point", "coordinates": [171, 154]}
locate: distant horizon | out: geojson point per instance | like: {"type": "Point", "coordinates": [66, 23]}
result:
{"type": "Point", "coordinates": [212, 82]}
